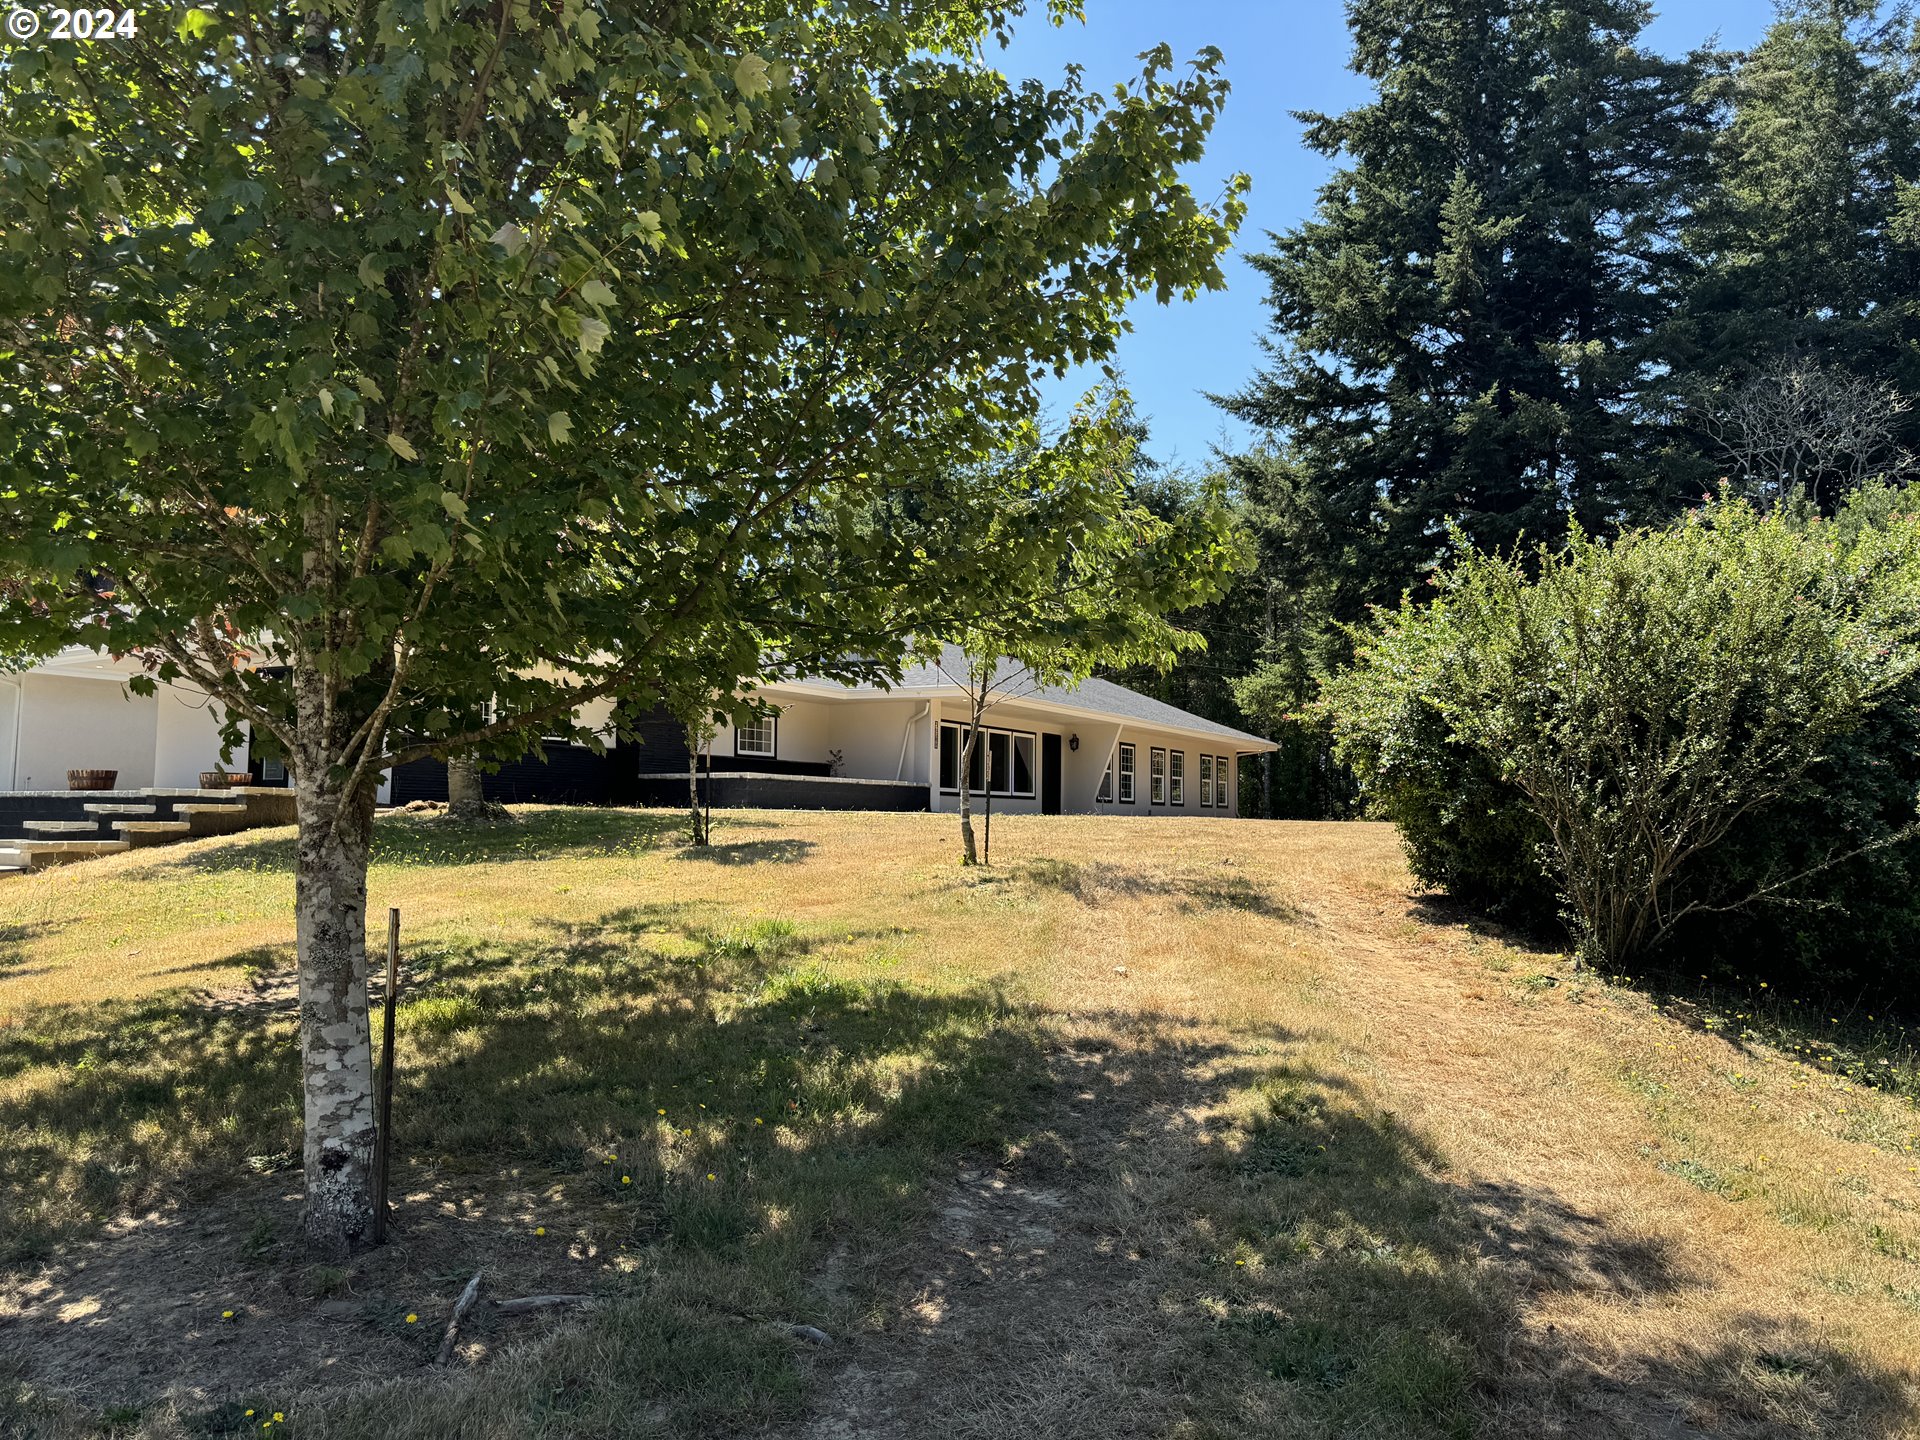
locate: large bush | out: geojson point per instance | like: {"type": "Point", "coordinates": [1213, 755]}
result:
{"type": "Point", "coordinates": [1701, 737]}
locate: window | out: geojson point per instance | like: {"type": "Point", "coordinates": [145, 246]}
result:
{"type": "Point", "coordinates": [1206, 781]}
{"type": "Point", "coordinates": [1105, 797]}
{"type": "Point", "coordinates": [1002, 762]}
{"type": "Point", "coordinates": [1126, 774]}
{"type": "Point", "coordinates": [756, 737]}
{"type": "Point", "coordinates": [1157, 776]}
{"type": "Point", "coordinates": [1177, 778]}
{"type": "Point", "coordinates": [1221, 774]}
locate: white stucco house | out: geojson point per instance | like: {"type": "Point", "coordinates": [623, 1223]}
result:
{"type": "Point", "coordinates": [1097, 748]}
{"type": "Point", "coordinates": [76, 712]}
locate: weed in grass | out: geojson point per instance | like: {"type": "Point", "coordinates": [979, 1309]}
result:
{"type": "Point", "coordinates": [1705, 1177]}
{"type": "Point", "coordinates": [322, 1282]}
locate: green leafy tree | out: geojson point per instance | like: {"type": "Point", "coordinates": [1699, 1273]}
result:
{"type": "Point", "coordinates": [1080, 575]}
{"type": "Point", "coordinates": [369, 364]}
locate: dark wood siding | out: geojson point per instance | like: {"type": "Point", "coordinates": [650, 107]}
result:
{"type": "Point", "coordinates": [552, 774]}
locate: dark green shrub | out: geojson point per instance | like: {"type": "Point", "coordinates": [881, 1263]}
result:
{"type": "Point", "coordinates": [1702, 737]}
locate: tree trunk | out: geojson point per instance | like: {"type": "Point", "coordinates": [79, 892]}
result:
{"type": "Point", "coordinates": [336, 1046]}
{"type": "Point", "coordinates": [466, 796]}
{"type": "Point", "coordinates": [696, 820]}
{"type": "Point", "coordinates": [969, 852]}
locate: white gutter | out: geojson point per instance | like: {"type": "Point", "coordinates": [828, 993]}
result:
{"type": "Point", "coordinates": [19, 710]}
{"type": "Point", "coordinates": [906, 738]}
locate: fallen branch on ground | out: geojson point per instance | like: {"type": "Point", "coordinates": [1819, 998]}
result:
{"type": "Point", "coordinates": [528, 1303]}
{"type": "Point", "coordinates": [467, 1297]}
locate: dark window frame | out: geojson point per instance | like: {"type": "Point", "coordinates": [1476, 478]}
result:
{"type": "Point", "coordinates": [1206, 782]}
{"type": "Point", "coordinates": [1157, 776]}
{"type": "Point", "coordinates": [1177, 778]}
{"type": "Point", "coordinates": [1123, 779]}
{"type": "Point", "coordinates": [1222, 768]}
{"type": "Point", "coordinates": [773, 722]}
{"type": "Point", "coordinates": [959, 728]}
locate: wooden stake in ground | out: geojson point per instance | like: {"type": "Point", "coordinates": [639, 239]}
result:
{"type": "Point", "coordinates": [467, 1297]}
{"type": "Point", "coordinates": [383, 1137]}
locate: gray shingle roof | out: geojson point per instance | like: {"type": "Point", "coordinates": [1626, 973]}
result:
{"type": "Point", "coordinates": [1095, 697]}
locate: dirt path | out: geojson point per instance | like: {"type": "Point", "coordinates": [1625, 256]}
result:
{"type": "Point", "coordinates": [1064, 1297]}
{"type": "Point", "coordinates": [1035, 1311]}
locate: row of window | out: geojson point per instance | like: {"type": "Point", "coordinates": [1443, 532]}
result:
{"type": "Point", "coordinates": [1002, 762]}
{"type": "Point", "coordinates": [1167, 778]}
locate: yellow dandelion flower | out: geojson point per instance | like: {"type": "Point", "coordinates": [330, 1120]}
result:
{"type": "Point", "coordinates": [249, 1415]}
{"type": "Point", "coordinates": [758, 1121]}
{"type": "Point", "coordinates": [411, 1317]}
{"type": "Point", "coordinates": [710, 1175]}
{"type": "Point", "coordinates": [659, 1112]}
{"type": "Point", "coordinates": [626, 1179]}
{"type": "Point", "coordinates": [539, 1229]}
{"type": "Point", "coordinates": [278, 1417]}
{"type": "Point", "coordinates": [226, 1314]}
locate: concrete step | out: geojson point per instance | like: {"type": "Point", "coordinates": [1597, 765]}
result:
{"type": "Point", "coordinates": [12, 859]}
{"type": "Point", "coordinates": [120, 809]}
{"type": "Point", "coordinates": [61, 827]}
{"type": "Point", "coordinates": [144, 833]}
{"type": "Point", "coordinates": [213, 819]}
{"type": "Point", "coordinates": [40, 854]}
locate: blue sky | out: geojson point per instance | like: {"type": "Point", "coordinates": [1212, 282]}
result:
{"type": "Point", "coordinates": [1282, 56]}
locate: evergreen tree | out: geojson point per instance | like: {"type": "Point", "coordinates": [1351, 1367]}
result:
{"type": "Point", "coordinates": [1476, 321]}
{"type": "Point", "coordinates": [1810, 236]}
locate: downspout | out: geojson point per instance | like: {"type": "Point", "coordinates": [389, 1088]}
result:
{"type": "Point", "coordinates": [906, 739]}
{"type": "Point", "coordinates": [19, 711]}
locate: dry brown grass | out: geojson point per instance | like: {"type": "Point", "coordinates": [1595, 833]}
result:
{"type": "Point", "coordinates": [1301, 1159]}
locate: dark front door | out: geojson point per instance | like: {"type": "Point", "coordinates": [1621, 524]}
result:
{"type": "Point", "coordinates": [1049, 774]}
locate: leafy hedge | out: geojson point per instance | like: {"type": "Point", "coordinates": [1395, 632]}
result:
{"type": "Point", "coordinates": [1699, 740]}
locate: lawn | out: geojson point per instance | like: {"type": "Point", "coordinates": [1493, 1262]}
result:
{"type": "Point", "coordinates": [1174, 1128]}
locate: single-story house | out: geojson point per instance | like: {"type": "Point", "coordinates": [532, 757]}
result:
{"type": "Point", "coordinates": [1095, 748]}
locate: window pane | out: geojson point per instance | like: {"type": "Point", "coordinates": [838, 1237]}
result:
{"type": "Point", "coordinates": [1221, 774]}
{"type": "Point", "coordinates": [1126, 774]}
{"type": "Point", "coordinates": [755, 737]}
{"type": "Point", "coordinates": [1001, 770]}
{"type": "Point", "coordinates": [1177, 777]}
{"type": "Point", "coordinates": [949, 757]}
{"type": "Point", "coordinates": [1106, 783]}
{"type": "Point", "coordinates": [1157, 776]}
{"type": "Point", "coordinates": [1023, 764]}
{"type": "Point", "coordinates": [1206, 780]}
{"type": "Point", "coordinates": [977, 771]}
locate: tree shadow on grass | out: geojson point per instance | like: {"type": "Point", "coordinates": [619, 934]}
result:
{"type": "Point", "coordinates": [540, 832]}
{"type": "Point", "coordinates": [14, 935]}
{"type": "Point", "coordinates": [1303, 1264]}
{"type": "Point", "coordinates": [1157, 1224]}
{"type": "Point", "coordinates": [1214, 888]}
{"type": "Point", "coordinates": [748, 852]}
